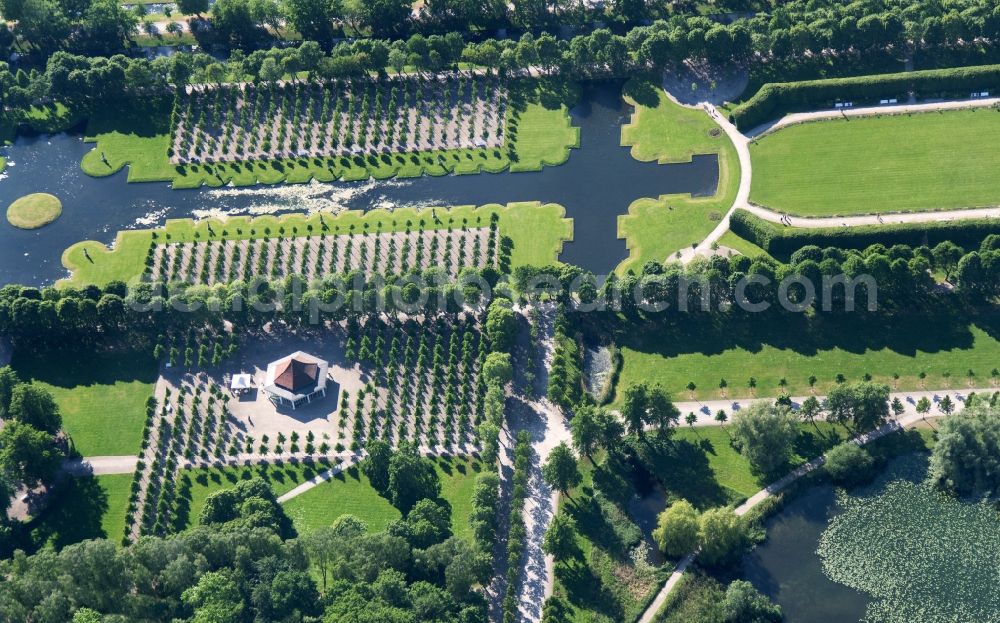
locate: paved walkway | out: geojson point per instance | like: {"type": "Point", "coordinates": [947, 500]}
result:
{"type": "Point", "coordinates": [320, 478]}
{"type": "Point", "coordinates": [705, 410]}
{"type": "Point", "coordinates": [908, 418]}
{"type": "Point", "coordinates": [873, 219]}
{"type": "Point", "coordinates": [867, 111]}
{"type": "Point", "coordinates": [742, 143]}
{"type": "Point", "coordinates": [103, 465]}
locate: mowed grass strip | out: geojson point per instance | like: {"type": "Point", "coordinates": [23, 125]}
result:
{"type": "Point", "coordinates": [661, 130]}
{"type": "Point", "coordinates": [944, 353]}
{"type": "Point", "coordinates": [921, 161]}
{"type": "Point", "coordinates": [536, 230]}
{"type": "Point", "coordinates": [350, 493]}
{"type": "Point", "coordinates": [117, 488]}
{"type": "Point", "coordinates": [88, 507]}
{"type": "Point", "coordinates": [102, 398]}
{"type": "Point", "coordinates": [138, 135]}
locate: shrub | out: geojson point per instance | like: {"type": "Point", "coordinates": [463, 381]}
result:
{"type": "Point", "coordinates": [724, 536]}
{"type": "Point", "coordinates": [848, 464]}
{"type": "Point", "coordinates": [782, 242]}
{"type": "Point", "coordinates": [676, 531]}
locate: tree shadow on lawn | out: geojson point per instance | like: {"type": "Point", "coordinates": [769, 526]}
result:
{"type": "Point", "coordinates": [682, 468]}
{"type": "Point", "coordinates": [947, 329]}
{"type": "Point", "coordinates": [73, 516]}
{"type": "Point", "coordinates": [812, 443]}
{"type": "Point", "coordinates": [593, 524]}
{"type": "Point", "coordinates": [144, 117]}
{"type": "Point", "coordinates": [584, 589]}
{"type": "Point", "coordinates": [642, 91]}
{"type": "Point", "coordinates": [73, 368]}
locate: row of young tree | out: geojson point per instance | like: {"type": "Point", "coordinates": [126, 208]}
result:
{"type": "Point", "coordinates": [135, 315]}
{"type": "Point", "coordinates": [337, 118]}
{"type": "Point", "coordinates": [313, 256]}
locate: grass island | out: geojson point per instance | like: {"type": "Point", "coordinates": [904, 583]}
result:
{"type": "Point", "coordinates": [34, 211]}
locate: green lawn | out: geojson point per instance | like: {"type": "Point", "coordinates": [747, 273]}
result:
{"type": "Point", "coordinates": [347, 493]}
{"type": "Point", "coordinates": [656, 228]}
{"type": "Point", "coordinates": [92, 507]}
{"type": "Point", "coordinates": [711, 473]}
{"type": "Point", "coordinates": [117, 487]}
{"type": "Point", "coordinates": [139, 137]}
{"type": "Point", "coordinates": [195, 485]}
{"type": "Point", "coordinates": [350, 493]}
{"type": "Point", "coordinates": [537, 232]}
{"type": "Point", "coordinates": [795, 348]}
{"type": "Point", "coordinates": [34, 210]}
{"type": "Point", "coordinates": [924, 161]}
{"type": "Point", "coordinates": [741, 245]}
{"type": "Point", "coordinates": [91, 262]}
{"type": "Point", "coordinates": [102, 397]}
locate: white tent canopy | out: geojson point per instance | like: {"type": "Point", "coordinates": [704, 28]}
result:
{"type": "Point", "coordinates": [241, 381]}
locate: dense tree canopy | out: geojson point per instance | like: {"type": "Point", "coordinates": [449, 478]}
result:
{"type": "Point", "coordinates": [765, 433]}
{"type": "Point", "coordinates": [560, 469]}
{"type": "Point", "coordinates": [34, 405]}
{"type": "Point", "coordinates": [676, 531]}
{"type": "Point", "coordinates": [250, 504]}
{"type": "Point", "coordinates": [411, 479]}
{"type": "Point", "coordinates": [864, 405]}
{"type": "Point", "coordinates": [964, 459]}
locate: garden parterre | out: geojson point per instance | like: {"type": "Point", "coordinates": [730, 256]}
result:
{"type": "Point", "coordinates": [397, 381]}
{"type": "Point", "coordinates": [522, 233]}
{"type": "Point", "coordinates": [338, 118]}
{"type": "Point", "coordinates": [317, 256]}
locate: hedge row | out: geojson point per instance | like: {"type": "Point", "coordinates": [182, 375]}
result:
{"type": "Point", "coordinates": [775, 99]}
{"type": "Point", "coordinates": [781, 242]}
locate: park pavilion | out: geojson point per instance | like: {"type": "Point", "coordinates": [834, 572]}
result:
{"type": "Point", "coordinates": [297, 378]}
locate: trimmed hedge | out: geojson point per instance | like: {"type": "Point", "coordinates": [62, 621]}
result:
{"type": "Point", "coordinates": [781, 242]}
{"type": "Point", "coordinates": [776, 99]}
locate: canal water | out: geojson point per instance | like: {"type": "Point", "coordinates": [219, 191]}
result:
{"type": "Point", "coordinates": [596, 185]}
{"type": "Point", "coordinates": [787, 568]}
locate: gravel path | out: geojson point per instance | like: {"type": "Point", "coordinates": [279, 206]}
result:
{"type": "Point", "coordinates": [101, 465]}
{"type": "Point", "coordinates": [742, 143]}
{"type": "Point", "coordinates": [104, 465]}
{"type": "Point", "coordinates": [706, 410]}
{"type": "Point", "coordinates": [873, 219]}
{"type": "Point", "coordinates": [891, 109]}
{"type": "Point", "coordinates": [547, 427]}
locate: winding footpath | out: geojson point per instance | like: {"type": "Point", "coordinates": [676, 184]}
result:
{"type": "Point", "coordinates": [742, 144]}
{"type": "Point", "coordinates": [704, 409]}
